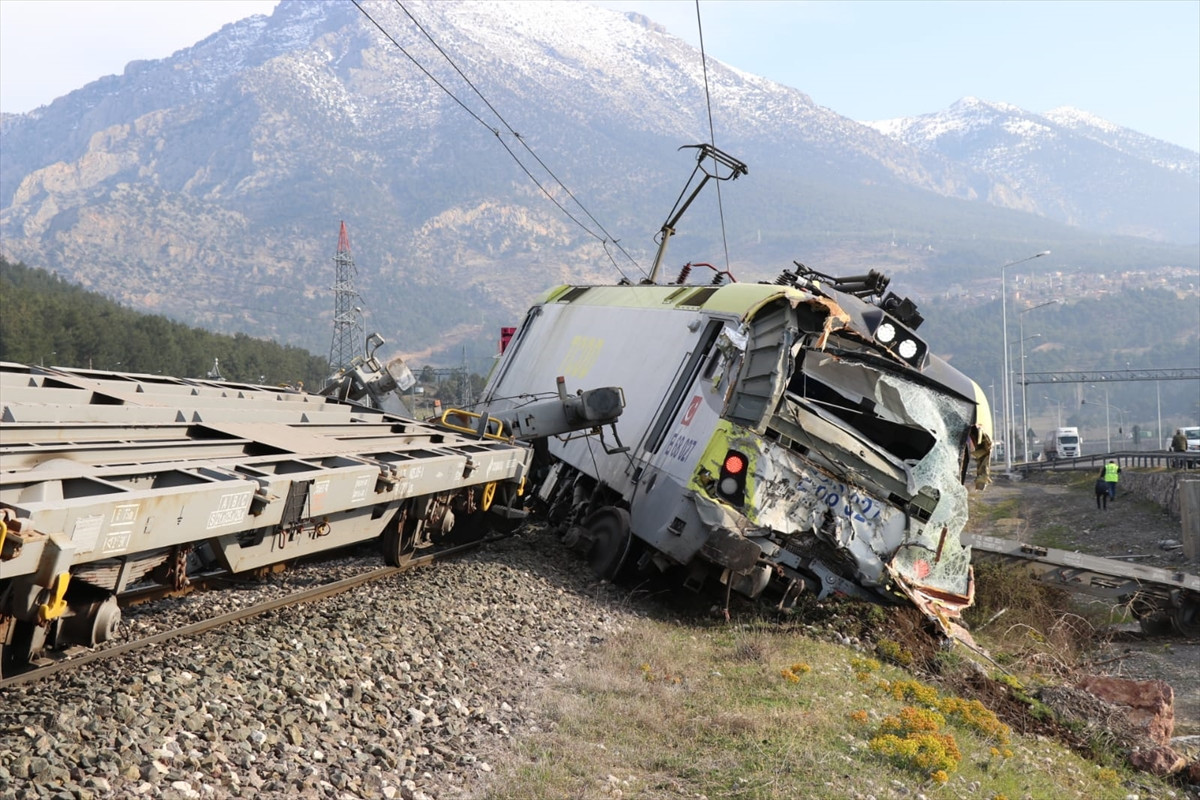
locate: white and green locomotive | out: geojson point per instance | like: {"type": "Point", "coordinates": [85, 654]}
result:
{"type": "Point", "coordinates": [780, 438]}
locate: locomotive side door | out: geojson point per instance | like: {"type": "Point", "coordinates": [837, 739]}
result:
{"type": "Point", "coordinates": [667, 457]}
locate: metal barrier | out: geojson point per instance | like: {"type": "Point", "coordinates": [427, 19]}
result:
{"type": "Point", "coordinates": [1126, 458]}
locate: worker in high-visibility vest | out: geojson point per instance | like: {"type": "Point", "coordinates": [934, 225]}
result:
{"type": "Point", "coordinates": [1111, 473]}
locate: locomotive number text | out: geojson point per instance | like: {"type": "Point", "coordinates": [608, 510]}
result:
{"type": "Point", "coordinates": [679, 447]}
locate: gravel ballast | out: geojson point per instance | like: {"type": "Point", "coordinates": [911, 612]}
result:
{"type": "Point", "coordinates": [398, 689]}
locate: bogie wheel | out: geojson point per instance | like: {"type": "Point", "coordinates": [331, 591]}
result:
{"type": "Point", "coordinates": [20, 643]}
{"type": "Point", "coordinates": [611, 537]}
{"type": "Point", "coordinates": [1153, 618]}
{"type": "Point", "coordinates": [400, 537]}
{"type": "Point", "coordinates": [1186, 618]}
{"type": "Point", "coordinates": [1155, 624]}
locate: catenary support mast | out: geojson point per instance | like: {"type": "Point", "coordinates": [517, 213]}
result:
{"type": "Point", "coordinates": [348, 331]}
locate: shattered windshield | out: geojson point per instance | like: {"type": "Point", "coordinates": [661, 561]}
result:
{"type": "Point", "coordinates": [934, 558]}
{"type": "Point", "coordinates": [908, 420]}
{"type": "Point", "coordinates": [854, 394]}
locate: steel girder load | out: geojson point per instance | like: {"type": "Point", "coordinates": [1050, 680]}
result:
{"type": "Point", "coordinates": [1158, 598]}
{"type": "Point", "coordinates": [106, 476]}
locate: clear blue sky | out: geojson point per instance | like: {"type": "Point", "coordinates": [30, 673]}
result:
{"type": "Point", "coordinates": [1133, 63]}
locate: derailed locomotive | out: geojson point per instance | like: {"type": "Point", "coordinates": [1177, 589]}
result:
{"type": "Point", "coordinates": [780, 438]}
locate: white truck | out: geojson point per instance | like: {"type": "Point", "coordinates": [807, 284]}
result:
{"type": "Point", "coordinates": [1062, 443]}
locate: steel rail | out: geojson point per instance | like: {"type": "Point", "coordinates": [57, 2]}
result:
{"type": "Point", "coordinates": [68, 663]}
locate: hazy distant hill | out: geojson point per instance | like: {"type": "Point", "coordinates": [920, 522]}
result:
{"type": "Point", "coordinates": [209, 185]}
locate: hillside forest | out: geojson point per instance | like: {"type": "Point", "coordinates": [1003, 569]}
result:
{"type": "Point", "coordinates": [46, 320]}
{"type": "Point", "coordinates": [1138, 329]}
{"type": "Point", "coordinates": [49, 321]}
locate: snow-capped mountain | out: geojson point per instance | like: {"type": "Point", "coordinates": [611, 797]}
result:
{"type": "Point", "coordinates": [209, 185]}
{"type": "Point", "coordinates": [1071, 165]}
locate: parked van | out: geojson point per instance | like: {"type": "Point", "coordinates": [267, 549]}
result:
{"type": "Point", "coordinates": [1062, 443]}
{"type": "Point", "coordinates": [1193, 442]}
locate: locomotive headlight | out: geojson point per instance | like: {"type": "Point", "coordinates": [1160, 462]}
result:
{"type": "Point", "coordinates": [885, 333]}
{"type": "Point", "coordinates": [908, 349]}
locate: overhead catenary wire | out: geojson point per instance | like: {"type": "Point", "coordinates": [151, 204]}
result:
{"type": "Point", "coordinates": [607, 236]}
{"type": "Point", "coordinates": [712, 134]}
{"type": "Point", "coordinates": [604, 237]}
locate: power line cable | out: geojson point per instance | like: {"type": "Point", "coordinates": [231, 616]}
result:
{"type": "Point", "coordinates": [496, 132]}
{"type": "Point", "coordinates": [607, 236]}
{"type": "Point", "coordinates": [712, 133]}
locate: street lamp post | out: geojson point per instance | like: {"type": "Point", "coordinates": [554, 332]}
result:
{"type": "Point", "coordinates": [1107, 422]}
{"type": "Point", "coordinates": [1158, 402]}
{"type": "Point", "coordinates": [1108, 419]}
{"type": "Point", "coordinates": [1058, 408]}
{"type": "Point", "coordinates": [1024, 410]}
{"type": "Point", "coordinates": [992, 386]}
{"type": "Point", "coordinates": [1008, 443]}
{"type": "Point", "coordinates": [1124, 422]}
{"type": "Point", "coordinates": [1024, 388]}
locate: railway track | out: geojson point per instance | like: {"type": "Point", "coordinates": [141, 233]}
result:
{"type": "Point", "coordinates": [75, 658]}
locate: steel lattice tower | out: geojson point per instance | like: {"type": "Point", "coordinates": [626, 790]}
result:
{"type": "Point", "coordinates": [348, 332]}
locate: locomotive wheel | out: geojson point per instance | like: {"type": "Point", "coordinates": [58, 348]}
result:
{"type": "Point", "coordinates": [400, 538]}
{"type": "Point", "coordinates": [609, 528]}
{"type": "Point", "coordinates": [1186, 619]}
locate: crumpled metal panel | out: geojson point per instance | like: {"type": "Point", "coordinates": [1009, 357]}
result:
{"type": "Point", "coordinates": [835, 317]}
{"type": "Point", "coordinates": [794, 499]}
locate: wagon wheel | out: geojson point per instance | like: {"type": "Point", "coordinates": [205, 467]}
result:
{"type": "Point", "coordinates": [609, 528]}
{"type": "Point", "coordinates": [1186, 618]}
{"type": "Point", "coordinates": [20, 644]}
{"type": "Point", "coordinates": [400, 537]}
{"type": "Point", "coordinates": [1153, 619]}
{"type": "Point", "coordinates": [487, 496]}
{"type": "Point", "coordinates": [1155, 624]}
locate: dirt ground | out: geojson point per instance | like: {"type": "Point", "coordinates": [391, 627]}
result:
{"type": "Point", "coordinates": [1059, 510]}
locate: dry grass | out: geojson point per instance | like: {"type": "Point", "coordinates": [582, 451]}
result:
{"type": "Point", "coordinates": [1024, 620]}
{"type": "Point", "coordinates": [759, 711]}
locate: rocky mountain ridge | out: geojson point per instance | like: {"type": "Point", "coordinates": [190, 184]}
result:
{"type": "Point", "coordinates": [1074, 166]}
{"type": "Point", "coordinates": [209, 185]}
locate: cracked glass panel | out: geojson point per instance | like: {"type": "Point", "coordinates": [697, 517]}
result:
{"type": "Point", "coordinates": [928, 558]}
